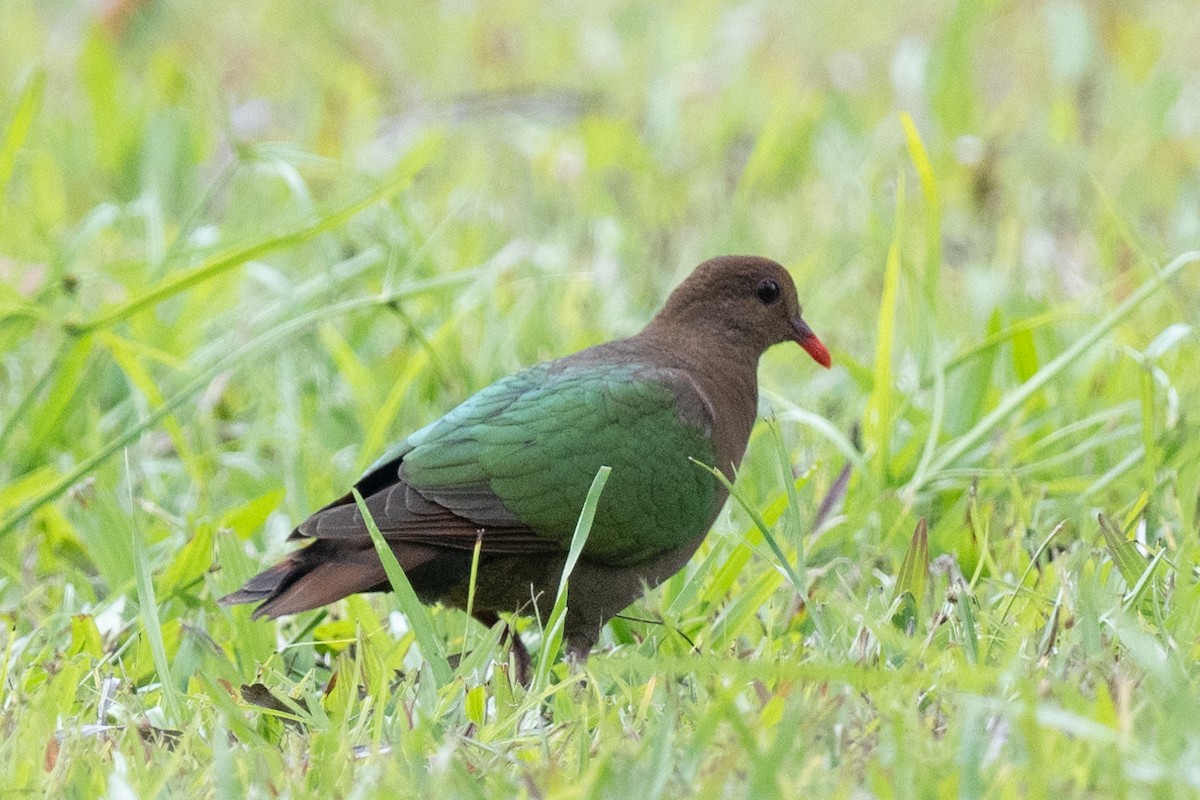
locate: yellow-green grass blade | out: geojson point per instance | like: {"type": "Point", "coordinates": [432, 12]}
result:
{"type": "Point", "coordinates": [18, 127]}
{"type": "Point", "coordinates": [133, 366]}
{"type": "Point", "coordinates": [478, 549]}
{"type": "Point", "coordinates": [933, 212]}
{"type": "Point", "coordinates": [996, 335]}
{"type": "Point", "coordinates": [909, 593]}
{"type": "Point", "coordinates": [70, 365]}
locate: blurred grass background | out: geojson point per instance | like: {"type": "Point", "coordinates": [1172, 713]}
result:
{"type": "Point", "coordinates": [245, 248]}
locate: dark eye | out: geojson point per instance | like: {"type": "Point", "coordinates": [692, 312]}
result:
{"type": "Point", "coordinates": [768, 291]}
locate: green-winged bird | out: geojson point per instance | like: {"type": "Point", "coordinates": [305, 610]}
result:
{"type": "Point", "coordinates": [512, 465]}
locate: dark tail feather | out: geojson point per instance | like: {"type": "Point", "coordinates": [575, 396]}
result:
{"type": "Point", "coordinates": [319, 586]}
{"type": "Point", "coordinates": [261, 586]}
{"type": "Point", "coordinates": [318, 575]}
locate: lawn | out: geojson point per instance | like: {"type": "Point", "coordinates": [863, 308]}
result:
{"type": "Point", "coordinates": [246, 247]}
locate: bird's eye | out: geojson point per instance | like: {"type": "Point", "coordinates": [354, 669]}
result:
{"type": "Point", "coordinates": [768, 291]}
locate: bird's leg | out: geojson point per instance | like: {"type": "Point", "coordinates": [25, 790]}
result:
{"type": "Point", "coordinates": [579, 646]}
{"type": "Point", "coordinates": [577, 651]}
{"type": "Point", "coordinates": [520, 655]}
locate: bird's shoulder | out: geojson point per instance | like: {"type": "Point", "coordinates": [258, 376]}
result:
{"type": "Point", "coordinates": [604, 387]}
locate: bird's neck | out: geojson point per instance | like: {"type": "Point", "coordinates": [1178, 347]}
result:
{"type": "Point", "coordinates": [712, 353]}
{"type": "Point", "coordinates": [684, 333]}
{"type": "Point", "coordinates": [725, 369]}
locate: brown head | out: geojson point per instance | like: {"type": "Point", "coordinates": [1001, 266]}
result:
{"type": "Point", "coordinates": [747, 300]}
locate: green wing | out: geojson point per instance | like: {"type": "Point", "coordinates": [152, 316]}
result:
{"type": "Point", "coordinates": [525, 450]}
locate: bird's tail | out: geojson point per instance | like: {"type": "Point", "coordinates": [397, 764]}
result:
{"type": "Point", "coordinates": [320, 574]}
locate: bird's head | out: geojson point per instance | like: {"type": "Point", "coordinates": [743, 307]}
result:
{"type": "Point", "coordinates": [750, 300]}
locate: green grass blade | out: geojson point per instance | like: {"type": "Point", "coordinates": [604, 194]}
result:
{"type": "Point", "coordinates": [1130, 562]}
{"type": "Point", "coordinates": [792, 512]}
{"type": "Point", "coordinates": [822, 426]}
{"type": "Point", "coordinates": [407, 603]}
{"type": "Point", "coordinates": [553, 636]}
{"type": "Point", "coordinates": [26, 403]}
{"type": "Point", "coordinates": [1135, 512]}
{"type": "Point", "coordinates": [257, 346]}
{"type": "Point", "coordinates": [583, 525]}
{"type": "Point", "coordinates": [218, 265]}
{"type": "Point", "coordinates": [958, 448]}
{"type": "Point", "coordinates": [935, 426]}
{"type": "Point", "coordinates": [994, 336]}
{"type": "Point", "coordinates": [18, 128]}
{"type": "Point", "coordinates": [148, 609]}
{"type": "Point", "coordinates": [471, 590]}
{"type": "Point", "coordinates": [132, 363]}
{"type": "Point", "coordinates": [970, 629]}
{"type": "Point", "coordinates": [909, 594]}
{"type": "Point", "coordinates": [914, 571]}
{"type": "Point", "coordinates": [47, 414]}
{"type": "Point", "coordinates": [1133, 459]}
{"type": "Point", "coordinates": [1137, 591]}
{"type": "Point", "coordinates": [877, 427]}
{"type": "Point", "coordinates": [784, 563]}
{"type": "Point", "coordinates": [1033, 561]}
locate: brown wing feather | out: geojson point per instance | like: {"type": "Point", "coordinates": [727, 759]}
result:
{"type": "Point", "coordinates": [404, 514]}
{"type": "Point", "coordinates": [432, 543]}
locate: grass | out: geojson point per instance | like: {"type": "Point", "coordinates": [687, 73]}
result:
{"type": "Point", "coordinates": [245, 249]}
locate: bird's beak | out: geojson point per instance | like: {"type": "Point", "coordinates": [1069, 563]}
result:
{"type": "Point", "coordinates": [809, 341]}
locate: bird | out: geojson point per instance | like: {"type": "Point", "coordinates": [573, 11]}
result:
{"type": "Point", "coordinates": [511, 466]}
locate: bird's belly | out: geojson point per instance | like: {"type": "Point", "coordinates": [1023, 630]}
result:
{"type": "Point", "coordinates": [596, 591]}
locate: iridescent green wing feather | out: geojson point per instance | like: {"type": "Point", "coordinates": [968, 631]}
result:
{"type": "Point", "coordinates": [525, 450]}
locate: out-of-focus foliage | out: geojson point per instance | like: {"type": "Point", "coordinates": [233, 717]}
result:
{"type": "Point", "coordinates": [245, 246]}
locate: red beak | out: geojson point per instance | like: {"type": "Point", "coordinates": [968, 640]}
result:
{"type": "Point", "coordinates": [809, 341]}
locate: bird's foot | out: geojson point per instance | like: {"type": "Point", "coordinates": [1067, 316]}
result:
{"type": "Point", "coordinates": [520, 658]}
{"type": "Point", "coordinates": [576, 658]}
